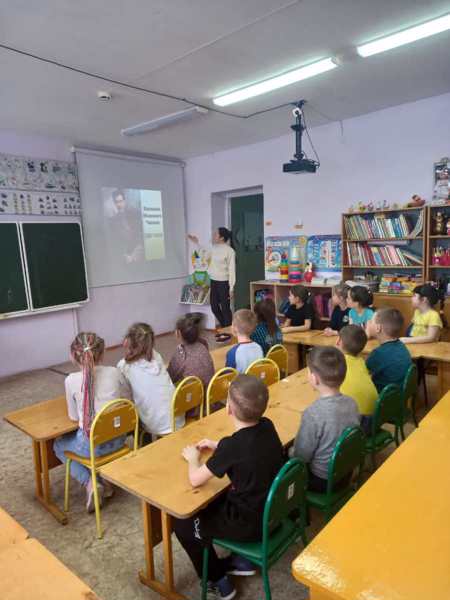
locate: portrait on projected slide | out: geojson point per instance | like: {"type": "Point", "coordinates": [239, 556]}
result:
{"type": "Point", "coordinates": [134, 222]}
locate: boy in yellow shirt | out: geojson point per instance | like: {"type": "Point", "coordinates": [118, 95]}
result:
{"type": "Point", "coordinates": [426, 322]}
{"type": "Point", "coordinates": [357, 383]}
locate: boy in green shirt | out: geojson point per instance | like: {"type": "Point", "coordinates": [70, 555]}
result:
{"type": "Point", "coordinates": [390, 361]}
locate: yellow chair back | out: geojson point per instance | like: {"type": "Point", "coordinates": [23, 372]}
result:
{"type": "Point", "coordinates": [279, 354]}
{"type": "Point", "coordinates": [218, 387]}
{"type": "Point", "coordinates": [266, 369]}
{"type": "Point", "coordinates": [188, 394]}
{"type": "Point", "coordinates": [116, 418]}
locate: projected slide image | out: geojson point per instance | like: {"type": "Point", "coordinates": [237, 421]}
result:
{"type": "Point", "coordinates": [134, 225]}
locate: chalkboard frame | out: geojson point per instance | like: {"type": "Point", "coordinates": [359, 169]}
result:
{"type": "Point", "coordinates": [56, 307]}
{"type": "Point", "coordinates": [27, 311]}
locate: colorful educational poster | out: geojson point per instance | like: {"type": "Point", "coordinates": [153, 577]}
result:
{"type": "Point", "coordinates": [279, 247]}
{"type": "Point", "coordinates": [22, 173]}
{"type": "Point", "coordinates": [325, 252]}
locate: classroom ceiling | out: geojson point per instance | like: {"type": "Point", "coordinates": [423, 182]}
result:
{"type": "Point", "coordinates": [197, 49]}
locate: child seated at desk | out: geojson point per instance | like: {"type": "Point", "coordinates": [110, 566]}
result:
{"type": "Point", "coordinates": [149, 380]}
{"type": "Point", "coordinates": [339, 316]}
{"type": "Point", "coordinates": [192, 355]}
{"type": "Point", "coordinates": [359, 300]}
{"type": "Point", "coordinates": [267, 332]}
{"type": "Point", "coordinates": [324, 421]}
{"type": "Point", "coordinates": [245, 351]}
{"type": "Point", "coordinates": [357, 383]}
{"type": "Point", "coordinates": [251, 458]}
{"type": "Point", "coordinates": [426, 322]}
{"type": "Point", "coordinates": [391, 360]}
{"type": "Point", "coordinates": [87, 392]}
{"type": "Point", "coordinates": [300, 314]}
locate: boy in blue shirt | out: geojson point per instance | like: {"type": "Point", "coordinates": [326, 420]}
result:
{"type": "Point", "coordinates": [246, 351]}
{"type": "Point", "coordinates": [390, 361]}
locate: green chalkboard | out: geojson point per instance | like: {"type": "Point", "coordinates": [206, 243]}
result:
{"type": "Point", "coordinates": [55, 260]}
{"type": "Point", "coordinates": [13, 296]}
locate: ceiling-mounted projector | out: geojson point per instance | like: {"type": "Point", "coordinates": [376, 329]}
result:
{"type": "Point", "coordinates": [300, 163]}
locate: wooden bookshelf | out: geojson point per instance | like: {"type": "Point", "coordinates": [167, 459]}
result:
{"type": "Point", "coordinates": [435, 240]}
{"type": "Point", "coordinates": [415, 244]}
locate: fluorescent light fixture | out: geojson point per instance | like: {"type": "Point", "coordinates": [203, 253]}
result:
{"type": "Point", "coordinates": [276, 82]}
{"type": "Point", "coordinates": [176, 117]}
{"type": "Point", "coordinates": [406, 36]}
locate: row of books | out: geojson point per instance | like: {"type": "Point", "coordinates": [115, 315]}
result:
{"type": "Point", "coordinates": [363, 255]}
{"type": "Point", "coordinates": [380, 227]}
{"type": "Point", "coordinates": [399, 284]}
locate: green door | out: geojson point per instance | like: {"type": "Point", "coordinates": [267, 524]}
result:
{"type": "Point", "coordinates": [247, 225]}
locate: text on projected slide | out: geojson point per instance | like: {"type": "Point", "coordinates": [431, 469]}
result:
{"type": "Point", "coordinates": [135, 225]}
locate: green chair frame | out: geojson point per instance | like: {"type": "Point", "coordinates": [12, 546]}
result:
{"type": "Point", "coordinates": [286, 498]}
{"type": "Point", "coordinates": [409, 389]}
{"type": "Point", "coordinates": [388, 409]}
{"type": "Point", "coordinates": [348, 455]}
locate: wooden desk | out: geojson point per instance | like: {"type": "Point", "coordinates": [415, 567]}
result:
{"type": "Point", "coordinates": [28, 571]}
{"type": "Point", "coordinates": [44, 422]}
{"type": "Point", "coordinates": [11, 531]}
{"type": "Point", "coordinates": [391, 540]}
{"type": "Point", "coordinates": [438, 351]}
{"type": "Point", "coordinates": [145, 473]}
{"type": "Point", "coordinates": [438, 418]}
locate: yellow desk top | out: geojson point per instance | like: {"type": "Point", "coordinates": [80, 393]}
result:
{"type": "Point", "coordinates": [11, 532]}
{"type": "Point", "coordinates": [28, 571]}
{"type": "Point", "coordinates": [391, 541]}
{"type": "Point", "coordinates": [439, 351]}
{"type": "Point", "coordinates": [158, 473]}
{"type": "Point", "coordinates": [438, 418]}
{"type": "Point", "coordinates": [43, 421]}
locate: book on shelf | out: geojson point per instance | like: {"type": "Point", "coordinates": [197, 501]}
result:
{"type": "Point", "coordinates": [363, 255]}
{"type": "Point", "coordinates": [379, 226]}
{"type": "Point", "coordinates": [399, 284]}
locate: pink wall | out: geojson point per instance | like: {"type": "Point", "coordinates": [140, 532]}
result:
{"type": "Point", "coordinates": [383, 155]}
{"type": "Point", "coordinates": [42, 340]}
{"type": "Point", "coordinates": [388, 155]}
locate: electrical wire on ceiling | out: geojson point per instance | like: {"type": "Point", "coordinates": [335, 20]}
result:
{"type": "Point", "coordinates": [137, 88]}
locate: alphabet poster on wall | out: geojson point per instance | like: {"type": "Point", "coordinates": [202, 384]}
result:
{"type": "Point", "coordinates": [37, 186]}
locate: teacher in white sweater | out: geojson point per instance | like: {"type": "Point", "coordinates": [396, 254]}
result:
{"type": "Point", "coordinates": [222, 273]}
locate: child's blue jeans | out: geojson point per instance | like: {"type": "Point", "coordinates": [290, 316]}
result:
{"type": "Point", "coordinates": [78, 443]}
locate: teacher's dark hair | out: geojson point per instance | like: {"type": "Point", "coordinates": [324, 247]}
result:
{"type": "Point", "coordinates": [225, 234]}
{"type": "Point", "coordinates": [117, 193]}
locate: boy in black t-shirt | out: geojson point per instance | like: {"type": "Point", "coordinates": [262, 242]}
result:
{"type": "Point", "coordinates": [251, 458]}
{"type": "Point", "coordinates": [300, 314]}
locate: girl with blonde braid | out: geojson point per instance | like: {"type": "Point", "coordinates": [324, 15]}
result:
{"type": "Point", "coordinates": [86, 393]}
{"type": "Point", "coordinates": [149, 380]}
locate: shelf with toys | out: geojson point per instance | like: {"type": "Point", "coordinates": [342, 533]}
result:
{"type": "Point", "coordinates": [439, 245]}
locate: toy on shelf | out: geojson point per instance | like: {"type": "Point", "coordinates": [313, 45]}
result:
{"type": "Point", "coordinates": [415, 202]}
{"type": "Point", "coordinates": [441, 257]}
{"type": "Point", "coordinates": [283, 269]}
{"type": "Point", "coordinates": [360, 207]}
{"type": "Point", "coordinates": [295, 274]}
{"type": "Point", "coordinates": [308, 274]}
{"type": "Point", "coordinates": [439, 223]}
{"type": "Point", "coordinates": [448, 226]}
